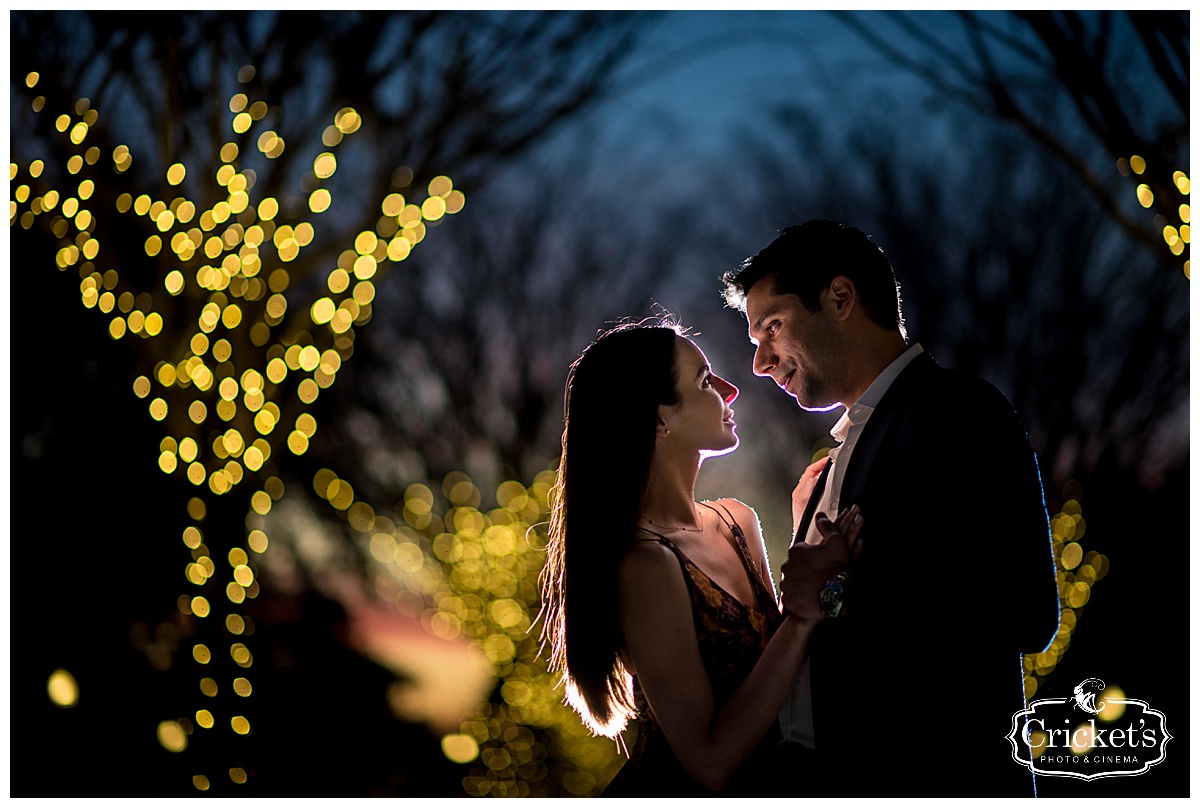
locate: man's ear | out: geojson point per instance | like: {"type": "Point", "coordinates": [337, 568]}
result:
{"type": "Point", "coordinates": [840, 298]}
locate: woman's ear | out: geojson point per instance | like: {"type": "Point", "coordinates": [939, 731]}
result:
{"type": "Point", "coordinates": [662, 429]}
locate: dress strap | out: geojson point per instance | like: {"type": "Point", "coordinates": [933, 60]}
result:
{"type": "Point", "coordinates": [683, 562]}
{"type": "Point", "coordinates": [740, 538]}
{"type": "Point", "coordinates": [732, 524]}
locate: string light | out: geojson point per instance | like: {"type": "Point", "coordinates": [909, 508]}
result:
{"type": "Point", "coordinates": [1076, 572]}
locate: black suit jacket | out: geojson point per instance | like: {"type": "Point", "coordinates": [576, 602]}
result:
{"type": "Point", "coordinates": [914, 686]}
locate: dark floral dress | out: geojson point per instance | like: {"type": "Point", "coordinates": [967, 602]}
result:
{"type": "Point", "coordinates": [731, 636]}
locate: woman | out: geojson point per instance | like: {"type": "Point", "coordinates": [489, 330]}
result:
{"type": "Point", "coordinates": [659, 608]}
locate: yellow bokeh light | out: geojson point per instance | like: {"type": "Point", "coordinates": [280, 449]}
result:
{"type": "Point", "coordinates": [1137, 164]}
{"type": "Point", "coordinates": [257, 541]}
{"type": "Point", "coordinates": [243, 575]}
{"type": "Point", "coordinates": [365, 242]}
{"type": "Point", "coordinates": [325, 165]}
{"type": "Point", "coordinates": [297, 442]}
{"type": "Point", "coordinates": [1113, 700]}
{"type": "Point", "coordinates": [309, 358]}
{"type": "Point", "coordinates": [200, 606]}
{"type": "Point", "coordinates": [1082, 739]}
{"type": "Point", "coordinates": [1072, 554]}
{"type": "Point", "coordinates": [364, 267]}
{"type": "Point", "coordinates": [433, 208]}
{"type": "Point", "coordinates": [399, 248]}
{"type": "Point", "coordinates": [322, 312]}
{"type": "Point", "coordinates": [176, 173]}
{"type": "Point", "coordinates": [460, 748]}
{"type": "Point", "coordinates": [204, 718]}
{"type": "Point", "coordinates": [62, 688]}
{"type": "Point", "coordinates": [319, 200]}
{"type": "Point", "coordinates": [240, 725]}
{"type": "Point", "coordinates": [268, 208]}
{"type": "Point", "coordinates": [393, 204]}
{"type": "Point", "coordinates": [201, 654]}
{"type": "Point", "coordinates": [261, 502]}
{"type": "Point", "coordinates": [1145, 195]}
{"type": "Point", "coordinates": [200, 782]}
{"type": "Point", "coordinates": [347, 120]}
{"type": "Point", "coordinates": [171, 736]}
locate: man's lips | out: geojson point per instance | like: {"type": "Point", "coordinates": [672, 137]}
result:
{"type": "Point", "coordinates": [786, 380]}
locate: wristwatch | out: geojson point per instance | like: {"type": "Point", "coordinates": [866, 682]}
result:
{"type": "Point", "coordinates": [830, 598]}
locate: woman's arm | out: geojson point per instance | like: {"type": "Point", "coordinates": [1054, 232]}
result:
{"type": "Point", "coordinates": [660, 637]}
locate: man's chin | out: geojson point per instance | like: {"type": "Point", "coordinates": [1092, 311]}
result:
{"type": "Point", "coordinates": [810, 406]}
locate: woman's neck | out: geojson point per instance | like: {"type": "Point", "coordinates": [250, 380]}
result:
{"type": "Point", "coordinates": [670, 498]}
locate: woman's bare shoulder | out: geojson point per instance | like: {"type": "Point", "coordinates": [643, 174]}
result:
{"type": "Point", "coordinates": [740, 511]}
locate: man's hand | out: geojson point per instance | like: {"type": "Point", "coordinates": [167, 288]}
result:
{"type": "Point", "coordinates": [809, 566]}
{"type": "Point", "coordinates": [803, 491]}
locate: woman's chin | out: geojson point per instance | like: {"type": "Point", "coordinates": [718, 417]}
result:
{"type": "Point", "coordinates": [724, 450]}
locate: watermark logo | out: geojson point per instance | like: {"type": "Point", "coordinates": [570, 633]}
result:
{"type": "Point", "coordinates": [1098, 732]}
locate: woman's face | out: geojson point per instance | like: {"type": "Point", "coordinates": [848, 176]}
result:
{"type": "Point", "coordinates": [703, 419]}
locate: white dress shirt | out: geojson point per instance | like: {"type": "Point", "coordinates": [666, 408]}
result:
{"type": "Point", "coordinates": [795, 719]}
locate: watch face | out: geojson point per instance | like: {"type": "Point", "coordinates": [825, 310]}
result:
{"type": "Point", "coordinates": [830, 598]}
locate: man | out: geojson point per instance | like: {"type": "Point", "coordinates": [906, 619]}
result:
{"type": "Point", "coordinates": [911, 688]}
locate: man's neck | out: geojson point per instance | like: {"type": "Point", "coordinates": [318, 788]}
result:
{"type": "Point", "coordinates": [876, 354]}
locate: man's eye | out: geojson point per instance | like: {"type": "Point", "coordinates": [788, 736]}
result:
{"type": "Point", "coordinates": [772, 328]}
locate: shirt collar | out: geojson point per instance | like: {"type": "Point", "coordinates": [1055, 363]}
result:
{"type": "Point", "coordinates": [860, 411]}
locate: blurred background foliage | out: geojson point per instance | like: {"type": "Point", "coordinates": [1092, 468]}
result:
{"type": "Point", "coordinates": [393, 637]}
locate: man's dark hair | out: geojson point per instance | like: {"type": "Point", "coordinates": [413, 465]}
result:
{"type": "Point", "coordinates": [806, 257]}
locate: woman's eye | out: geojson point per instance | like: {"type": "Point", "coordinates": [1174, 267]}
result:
{"type": "Point", "coordinates": [707, 381]}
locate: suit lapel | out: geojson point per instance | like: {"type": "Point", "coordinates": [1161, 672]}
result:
{"type": "Point", "coordinates": [811, 508]}
{"type": "Point", "coordinates": [873, 434]}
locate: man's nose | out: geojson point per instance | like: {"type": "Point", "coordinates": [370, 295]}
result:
{"type": "Point", "coordinates": [764, 360]}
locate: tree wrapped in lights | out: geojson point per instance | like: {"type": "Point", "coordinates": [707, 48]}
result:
{"type": "Point", "coordinates": [231, 272]}
{"type": "Point", "coordinates": [1033, 69]}
{"type": "Point", "coordinates": [229, 363]}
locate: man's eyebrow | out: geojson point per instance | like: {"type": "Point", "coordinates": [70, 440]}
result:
{"type": "Point", "coordinates": [758, 323]}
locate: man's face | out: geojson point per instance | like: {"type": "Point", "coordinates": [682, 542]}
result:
{"type": "Point", "coordinates": [796, 348]}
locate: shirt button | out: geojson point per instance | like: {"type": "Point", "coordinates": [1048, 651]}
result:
{"type": "Point", "coordinates": [833, 505]}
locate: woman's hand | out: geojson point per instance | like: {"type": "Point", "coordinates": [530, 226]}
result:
{"type": "Point", "coordinates": [809, 566]}
{"type": "Point", "coordinates": [803, 491]}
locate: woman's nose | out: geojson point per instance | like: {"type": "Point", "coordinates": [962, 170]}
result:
{"type": "Point", "coordinates": [727, 390]}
